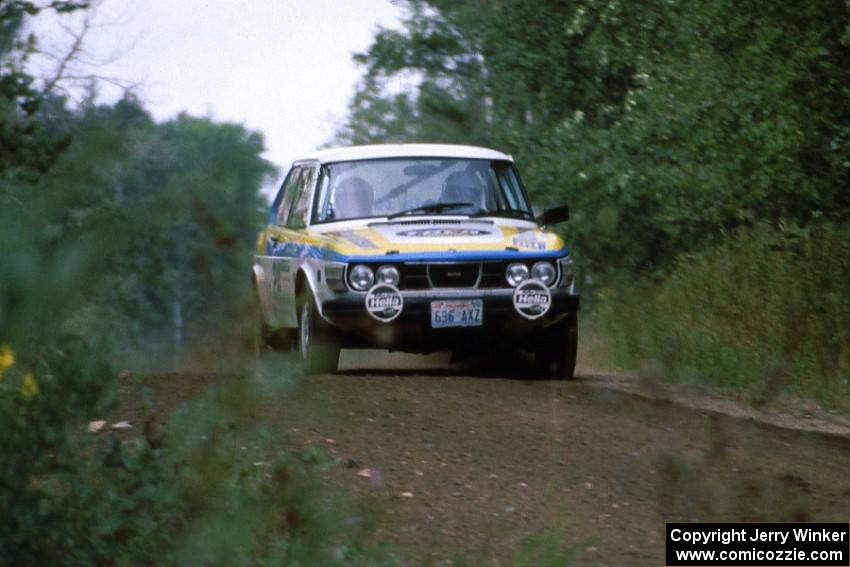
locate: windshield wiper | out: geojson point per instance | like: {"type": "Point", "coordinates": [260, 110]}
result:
{"type": "Point", "coordinates": [513, 213]}
{"type": "Point", "coordinates": [432, 208]}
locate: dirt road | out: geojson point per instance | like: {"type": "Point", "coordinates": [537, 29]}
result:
{"type": "Point", "coordinates": [472, 465]}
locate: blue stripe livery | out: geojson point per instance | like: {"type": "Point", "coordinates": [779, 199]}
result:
{"type": "Point", "coordinates": [293, 250]}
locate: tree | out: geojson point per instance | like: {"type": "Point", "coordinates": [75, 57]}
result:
{"type": "Point", "coordinates": [663, 124]}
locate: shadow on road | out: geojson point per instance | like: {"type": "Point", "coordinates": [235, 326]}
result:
{"type": "Point", "coordinates": [507, 365]}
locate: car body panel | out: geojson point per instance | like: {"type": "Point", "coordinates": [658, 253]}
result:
{"type": "Point", "coordinates": [281, 253]}
{"type": "Point", "coordinates": [381, 151]}
{"type": "Point", "coordinates": [318, 255]}
{"type": "Point", "coordinates": [418, 238]}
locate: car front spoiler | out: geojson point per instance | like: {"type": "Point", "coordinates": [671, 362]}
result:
{"type": "Point", "coordinates": [412, 327]}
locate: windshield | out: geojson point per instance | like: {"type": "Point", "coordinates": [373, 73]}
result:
{"type": "Point", "coordinates": [418, 186]}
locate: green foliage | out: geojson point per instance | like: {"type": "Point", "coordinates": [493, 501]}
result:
{"type": "Point", "coordinates": [27, 148]}
{"type": "Point", "coordinates": [765, 311]}
{"type": "Point", "coordinates": [548, 550]}
{"type": "Point", "coordinates": [241, 503]}
{"type": "Point", "coordinates": [182, 203]}
{"type": "Point", "coordinates": [669, 128]}
{"type": "Point", "coordinates": [661, 123]}
{"type": "Point", "coordinates": [447, 103]}
{"type": "Point", "coordinates": [190, 494]}
{"type": "Point", "coordinates": [209, 489]}
{"type": "Point", "coordinates": [66, 498]}
{"type": "Point", "coordinates": [126, 231]}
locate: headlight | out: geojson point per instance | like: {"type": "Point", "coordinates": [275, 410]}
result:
{"type": "Point", "coordinates": [545, 272]}
{"type": "Point", "coordinates": [361, 277]}
{"type": "Point", "coordinates": [516, 274]}
{"type": "Point", "coordinates": [388, 275]}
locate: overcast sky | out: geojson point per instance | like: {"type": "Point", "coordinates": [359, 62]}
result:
{"type": "Point", "coordinates": [279, 66]}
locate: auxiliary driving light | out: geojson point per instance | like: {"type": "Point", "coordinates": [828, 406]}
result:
{"type": "Point", "coordinates": [388, 275]}
{"type": "Point", "coordinates": [516, 274]}
{"type": "Point", "coordinates": [361, 277]}
{"type": "Point", "coordinates": [545, 272]}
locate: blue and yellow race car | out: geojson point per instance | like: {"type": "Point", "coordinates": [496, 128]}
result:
{"type": "Point", "coordinates": [417, 248]}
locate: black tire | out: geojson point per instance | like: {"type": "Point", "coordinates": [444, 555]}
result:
{"type": "Point", "coordinates": [264, 337]}
{"type": "Point", "coordinates": [260, 334]}
{"type": "Point", "coordinates": [317, 346]}
{"type": "Point", "coordinates": [556, 350]}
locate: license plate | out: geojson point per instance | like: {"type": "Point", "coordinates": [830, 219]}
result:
{"type": "Point", "coordinates": [457, 313]}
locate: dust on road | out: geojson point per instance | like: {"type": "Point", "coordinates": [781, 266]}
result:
{"type": "Point", "coordinates": [471, 465]}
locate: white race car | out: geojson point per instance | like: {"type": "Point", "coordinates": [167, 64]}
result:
{"type": "Point", "coordinates": [418, 248]}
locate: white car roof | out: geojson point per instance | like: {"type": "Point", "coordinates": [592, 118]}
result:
{"type": "Point", "coordinates": [354, 153]}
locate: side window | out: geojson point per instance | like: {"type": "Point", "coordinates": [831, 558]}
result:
{"type": "Point", "coordinates": [322, 209]}
{"type": "Point", "coordinates": [511, 193]}
{"type": "Point", "coordinates": [301, 202]}
{"type": "Point", "coordinates": [288, 191]}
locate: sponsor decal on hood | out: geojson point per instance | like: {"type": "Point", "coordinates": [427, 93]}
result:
{"type": "Point", "coordinates": [441, 233]}
{"type": "Point", "coordinates": [533, 240]}
{"type": "Point", "coordinates": [437, 232]}
{"type": "Point", "coordinates": [355, 238]}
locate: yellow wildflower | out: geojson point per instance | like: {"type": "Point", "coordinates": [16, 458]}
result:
{"type": "Point", "coordinates": [7, 358]}
{"type": "Point", "coordinates": [30, 386]}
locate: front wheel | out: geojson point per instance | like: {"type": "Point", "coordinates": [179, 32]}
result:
{"type": "Point", "coordinates": [557, 348]}
{"type": "Point", "coordinates": [317, 346]}
{"type": "Point", "coordinates": [263, 337]}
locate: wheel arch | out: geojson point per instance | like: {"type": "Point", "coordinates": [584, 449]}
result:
{"type": "Point", "coordinates": [256, 275]}
{"type": "Point", "coordinates": [305, 278]}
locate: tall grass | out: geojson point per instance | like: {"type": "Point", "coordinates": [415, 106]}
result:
{"type": "Point", "coordinates": [767, 311]}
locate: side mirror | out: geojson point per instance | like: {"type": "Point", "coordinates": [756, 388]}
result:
{"type": "Point", "coordinates": [554, 215]}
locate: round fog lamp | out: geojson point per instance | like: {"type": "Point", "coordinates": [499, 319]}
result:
{"type": "Point", "coordinates": [388, 275]}
{"type": "Point", "coordinates": [361, 277]}
{"type": "Point", "coordinates": [545, 272]}
{"type": "Point", "coordinates": [516, 274]}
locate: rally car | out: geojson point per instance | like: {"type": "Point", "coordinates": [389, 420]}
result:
{"type": "Point", "coordinates": [417, 248]}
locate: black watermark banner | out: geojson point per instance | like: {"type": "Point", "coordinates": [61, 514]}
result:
{"type": "Point", "coordinates": [758, 544]}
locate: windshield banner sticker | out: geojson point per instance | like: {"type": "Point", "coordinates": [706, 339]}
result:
{"type": "Point", "coordinates": [384, 302]}
{"type": "Point", "coordinates": [532, 299]}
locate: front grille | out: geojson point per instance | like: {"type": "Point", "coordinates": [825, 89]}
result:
{"type": "Point", "coordinates": [413, 276]}
{"type": "Point", "coordinates": [424, 275]}
{"type": "Point", "coordinates": [493, 275]}
{"type": "Point", "coordinates": [454, 275]}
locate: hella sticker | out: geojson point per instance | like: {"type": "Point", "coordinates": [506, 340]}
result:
{"type": "Point", "coordinates": [384, 302]}
{"type": "Point", "coordinates": [532, 299]}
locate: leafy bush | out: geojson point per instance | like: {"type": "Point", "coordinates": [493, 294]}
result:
{"type": "Point", "coordinates": [766, 311]}
{"type": "Point", "coordinates": [190, 494]}
{"type": "Point", "coordinates": [118, 234]}
{"type": "Point", "coordinates": [660, 123]}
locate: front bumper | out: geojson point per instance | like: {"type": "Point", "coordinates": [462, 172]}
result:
{"type": "Point", "coordinates": [412, 331]}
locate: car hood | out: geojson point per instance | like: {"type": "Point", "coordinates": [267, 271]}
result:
{"type": "Point", "coordinates": [437, 237]}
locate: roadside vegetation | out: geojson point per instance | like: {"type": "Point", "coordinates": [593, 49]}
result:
{"type": "Point", "coordinates": [704, 149]}
{"type": "Point", "coordinates": [125, 243]}
{"type": "Point", "coordinates": [765, 311]}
